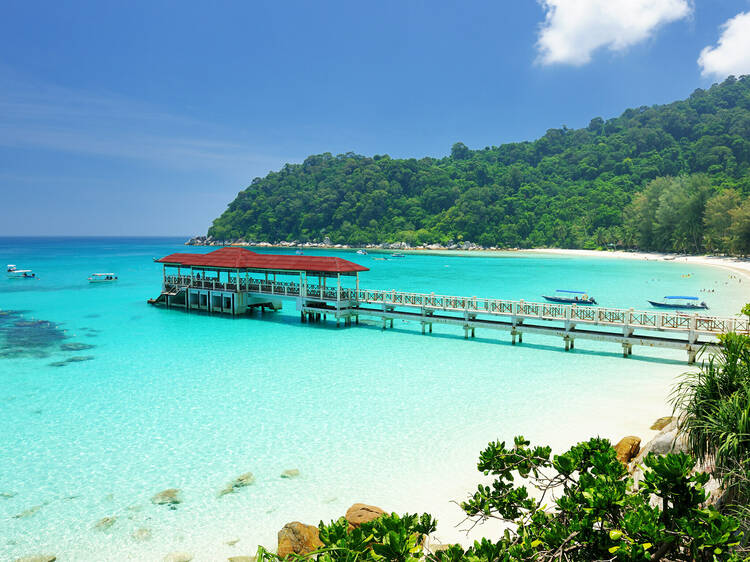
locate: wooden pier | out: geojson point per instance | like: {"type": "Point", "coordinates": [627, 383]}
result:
{"type": "Point", "coordinates": [235, 281]}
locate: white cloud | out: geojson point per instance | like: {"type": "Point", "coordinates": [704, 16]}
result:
{"type": "Point", "coordinates": [574, 29]}
{"type": "Point", "coordinates": [732, 54]}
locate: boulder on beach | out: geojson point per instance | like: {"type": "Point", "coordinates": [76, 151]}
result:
{"type": "Point", "coordinates": [661, 423]}
{"type": "Point", "coordinates": [232, 542]}
{"type": "Point", "coordinates": [241, 481]}
{"type": "Point", "coordinates": [290, 473]}
{"type": "Point", "coordinates": [242, 558]}
{"type": "Point", "coordinates": [37, 558]}
{"type": "Point", "coordinates": [170, 496]}
{"type": "Point", "coordinates": [362, 513]}
{"type": "Point", "coordinates": [105, 523]}
{"type": "Point", "coordinates": [627, 448]}
{"type": "Point", "coordinates": [298, 538]}
{"type": "Point", "coordinates": [178, 557]}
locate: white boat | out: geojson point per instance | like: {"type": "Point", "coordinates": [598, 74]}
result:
{"type": "Point", "coordinates": [11, 268]}
{"type": "Point", "coordinates": [362, 252]}
{"type": "Point", "coordinates": [102, 278]}
{"type": "Point", "coordinates": [21, 273]}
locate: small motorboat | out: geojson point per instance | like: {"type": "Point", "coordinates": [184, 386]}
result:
{"type": "Point", "coordinates": [102, 278]}
{"type": "Point", "coordinates": [570, 297]}
{"type": "Point", "coordinates": [362, 252]}
{"type": "Point", "coordinates": [299, 253]}
{"type": "Point", "coordinates": [680, 303]}
{"type": "Point", "coordinates": [15, 273]}
{"type": "Point", "coordinates": [398, 255]}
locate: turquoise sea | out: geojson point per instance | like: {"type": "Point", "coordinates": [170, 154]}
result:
{"type": "Point", "coordinates": [105, 400]}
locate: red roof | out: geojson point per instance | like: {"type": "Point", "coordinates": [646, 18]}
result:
{"type": "Point", "coordinates": [241, 258]}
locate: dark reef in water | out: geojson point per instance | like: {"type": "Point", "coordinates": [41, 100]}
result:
{"type": "Point", "coordinates": [69, 360]}
{"type": "Point", "coordinates": [20, 337]}
{"type": "Point", "coordinates": [76, 346]}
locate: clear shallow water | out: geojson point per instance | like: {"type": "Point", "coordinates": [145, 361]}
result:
{"type": "Point", "coordinates": [169, 399]}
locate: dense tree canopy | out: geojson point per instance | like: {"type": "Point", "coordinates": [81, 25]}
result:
{"type": "Point", "coordinates": [589, 187]}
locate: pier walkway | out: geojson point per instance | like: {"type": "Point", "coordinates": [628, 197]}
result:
{"type": "Point", "coordinates": [318, 301]}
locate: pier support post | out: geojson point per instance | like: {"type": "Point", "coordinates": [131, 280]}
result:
{"type": "Point", "coordinates": [422, 328]}
{"type": "Point", "coordinates": [572, 343]}
{"type": "Point", "coordinates": [338, 322]}
{"type": "Point", "coordinates": [430, 327]}
{"type": "Point", "coordinates": [384, 323]}
{"type": "Point", "coordinates": [513, 336]}
{"type": "Point", "coordinates": [466, 332]}
{"type": "Point", "coordinates": [520, 337]}
{"type": "Point", "coordinates": [356, 319]}
{"type": "Point", "coordinates": [627, 349]}
{"type": "Point", "coordinates": [567, 343]}
{"type": "Point", "coordinates": [302, 317]}
{"type": "Point", "coordinates": [472, 332]}
{"type": "Point", "coordinates": [691, 356]}
{"type": "Point", "coordinates": [391, 323]}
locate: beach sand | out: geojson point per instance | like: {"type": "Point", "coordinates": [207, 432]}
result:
{"type": "Point", "coordinates": [738, 265]}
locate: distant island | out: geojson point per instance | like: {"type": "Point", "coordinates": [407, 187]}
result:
{"type": "Point", "coordinates": [666, 178]}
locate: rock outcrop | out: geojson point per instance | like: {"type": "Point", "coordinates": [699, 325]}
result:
{"type": "Point", "coordinates": [298, 538]}
{"type": "Point", "coordinates": [362, 513]}
{"type": "Point", "coordinates": [627, 448]}
{"type": "Point", "coordinates": [661, 423]}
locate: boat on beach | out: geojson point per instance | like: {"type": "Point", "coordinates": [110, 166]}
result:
{"type": "Point", "coordinates": [680, 303]}
{"type": "Point", "coordinates": [102, 278]}
{"type": "Point", "coordinates": [570, 297]}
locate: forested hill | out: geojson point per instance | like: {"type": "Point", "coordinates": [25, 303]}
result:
{"type": "Point", "coordinates": [570, 188]}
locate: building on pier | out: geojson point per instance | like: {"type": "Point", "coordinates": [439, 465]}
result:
{"type": "Point", "coordinates": [236, 280]}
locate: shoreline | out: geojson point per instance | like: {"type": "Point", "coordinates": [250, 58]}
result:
{"type": "Point", "coordinates": [735, 264]}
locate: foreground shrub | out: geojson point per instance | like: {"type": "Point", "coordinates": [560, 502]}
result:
{"type": "Point", "coordinates": [584, 509]}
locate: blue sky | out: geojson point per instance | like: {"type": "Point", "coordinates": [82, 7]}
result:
{"type": "Point", "coordinates": [146, 118]}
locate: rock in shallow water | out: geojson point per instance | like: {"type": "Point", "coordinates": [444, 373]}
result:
{"type": "Point", "coordinates": [105, 523]}
{"type": "Point", "coordinates": [290, 473]}
{"type": "Point", "coordinates": [28, 513]}
{"type": "Point", "coordinates": [170, 496]}
{"type": "Point", "coordinates": [240, 482]}
{"type": "Point", "coordinates": [178, 557]}
{"type": "Point", "coordinates": [242, 558]}
{"type": "Point", "coordinates": [142, 534]}
{"type": "Point", "coordinates": [38, 558]}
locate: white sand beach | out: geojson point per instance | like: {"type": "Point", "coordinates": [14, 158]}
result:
{"type": "Point", "coordinates": [738, 265]}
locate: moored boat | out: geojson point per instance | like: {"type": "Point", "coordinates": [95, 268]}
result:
{"type": "Point", "coordinates": [362, 252]}
{"type": "Point", "coordinates": [398, 255]}
{"type": "Point", "coordinates": [102, 278]}
{"type": "Point", "coordinates": [15, 273]}
{"type": "Point", "coordinates": [680, 303]}
{"type": "Point", "coordinates": [570, 297]}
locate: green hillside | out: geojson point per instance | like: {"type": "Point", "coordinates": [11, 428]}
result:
{"type": "Point", "coordinates": [666, 177]}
